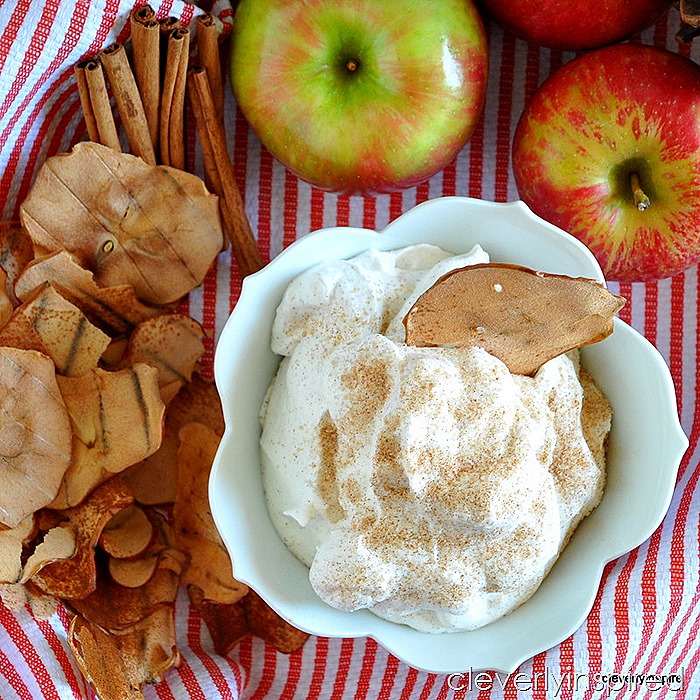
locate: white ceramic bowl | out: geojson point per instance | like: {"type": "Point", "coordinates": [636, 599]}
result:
{"type": "Point", "coordinates": [645, 448]}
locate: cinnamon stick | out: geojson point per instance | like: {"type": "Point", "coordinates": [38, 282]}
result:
{"type": "Point", "coordinates": [143, 13]}
{"type": "Point", "coordinates": [129, 104]}
{"type": "Point", "coordinates": [172, 112]}
{"type": "Point", "coordinates": [209, 59]}
{"type": "Point", "coordinates": [167, 25]}
{"type": "Point", "coordinates": [145, 44]}
{"type": "Point", "coordinates": [85, 103]}
{"type": "Point", "coordinates": [100, 106]}
{"type": "Point", "coordinates": [211, 131]}
{"type": "Point", "coordinates": [211, 174]}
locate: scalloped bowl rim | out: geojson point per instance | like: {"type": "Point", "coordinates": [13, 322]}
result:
{"type": "Point", "coordinates": [645, 448]}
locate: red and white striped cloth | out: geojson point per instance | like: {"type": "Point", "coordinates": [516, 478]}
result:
{"type": "Point", "coordinates": [646, 618]}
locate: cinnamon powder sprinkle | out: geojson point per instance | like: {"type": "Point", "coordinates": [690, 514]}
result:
{"type": "Point", "coordinates": [441, 488]}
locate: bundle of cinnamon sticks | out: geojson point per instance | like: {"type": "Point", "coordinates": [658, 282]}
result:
{"type": "Point", "coordinates": [150, 90]}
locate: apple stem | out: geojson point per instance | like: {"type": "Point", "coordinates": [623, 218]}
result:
{"type": "Point", "coordinates": [351, 65]}
{"type": "Point", "coordinates": [640, 197]}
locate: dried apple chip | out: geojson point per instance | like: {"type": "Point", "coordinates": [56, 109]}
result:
{"type": "Point", "coordinates": [197, 402]}
{"type": "Point", "coordinates": [35, 434]}
{"type": "Point", "coordinates": [173, 344]}
{"type": "Point", "coordinates": [210, 565]}
{"type": "Point", "coordinates": [133, 573]}
{"type": "Point", "coordinates": [127, 534]}
{"type": "Point", "coordinates": [138, 569]}
{"type": "Point", "coordinates": [16, 252]}
{"type": "Point", "coordinates": [6, 303]}
{"type": "Point", "coordinates": [265, 623]}
{"type": "Point", "coordinates": [155, 228]}
{"type": "Point", "coordinates": [77, 577]}
{"type": "Point", "coordinates": [226, 622]}
{"type": "Point", "coordinates": [115, 607]}
{"type": "Point", "coordinates": [114, 352]}
{"type": "Point", "coordinates": [58, 543]}
{"type": "Point", "coordinates": [12, 542]}
{"type": "Point", "coordinates": [101, 661]}
{"type": "Point", "coordinates": [113, 309]}
{"type": "Point", "coordinates": [119, 663]}
{"type": "Point", "coordinates": [116, 418]}
{"type": "Point", "coordinates": [154, 480]}
{"type": "Point", "coordinates": [50, 324]}
{"type": "Point", "coordinates": [17, 596]}
{"type": "Point", "coordinates": [520, 316]}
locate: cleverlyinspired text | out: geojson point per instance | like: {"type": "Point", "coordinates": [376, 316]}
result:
{"type": "Point", "coordinates": [554, 684]}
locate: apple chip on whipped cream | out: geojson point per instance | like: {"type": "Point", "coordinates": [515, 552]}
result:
{"type": "Point", "coordinates": [521, 316]}
{"type": "Point", "coordinates": [431, 485]}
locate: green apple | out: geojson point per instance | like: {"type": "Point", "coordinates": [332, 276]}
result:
{"type": "Point", "coordinates": [608, 149]}
{"type": "Point", "coordinates": [360, 95]}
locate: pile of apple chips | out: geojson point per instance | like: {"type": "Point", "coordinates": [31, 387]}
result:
{"type": "Point", "coordinates": [109, 429]}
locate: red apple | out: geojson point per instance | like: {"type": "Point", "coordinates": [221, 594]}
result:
{"type": "Point", "coordinates": [608, 149]}
{"type": "Point", "coordinates": [575, 24]}
{"type": "Point", "coordinates": [360, 95]}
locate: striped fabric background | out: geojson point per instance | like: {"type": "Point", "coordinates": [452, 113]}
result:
{"type": "Point", "coordinates": [646, 618]}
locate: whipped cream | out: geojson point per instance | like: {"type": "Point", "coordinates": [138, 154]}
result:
{"type": "Point", "coordinates": [429, 485]}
